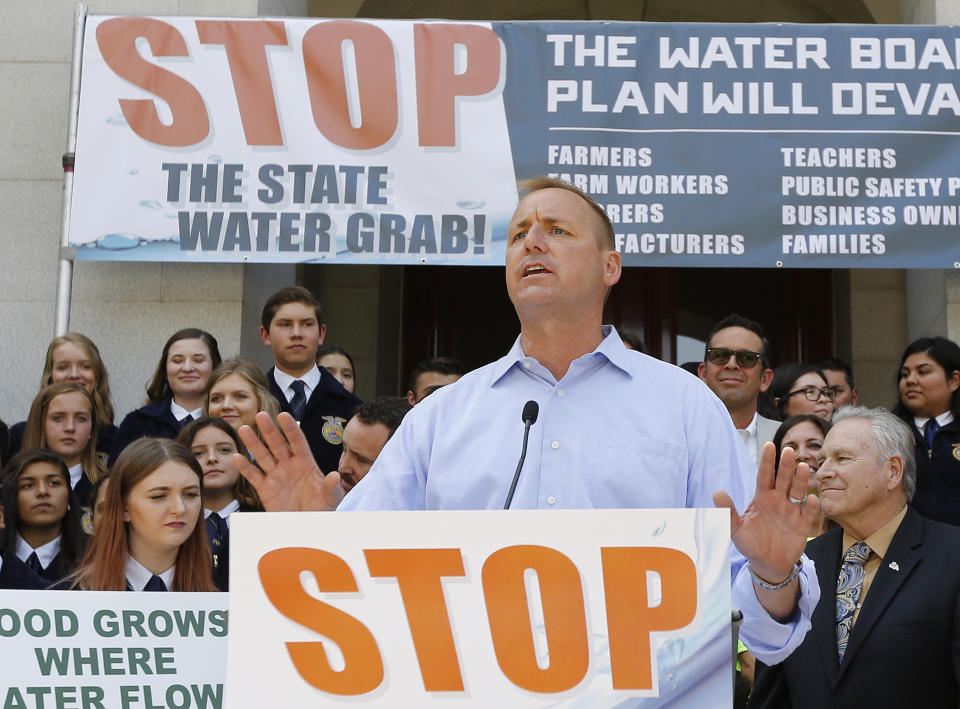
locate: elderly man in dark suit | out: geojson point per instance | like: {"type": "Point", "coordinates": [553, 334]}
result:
{"type": "Point", "coordinates": [886, 632]}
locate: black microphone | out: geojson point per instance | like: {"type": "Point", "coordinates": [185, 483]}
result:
{"type": "Point", "coordinates": [530, 412]}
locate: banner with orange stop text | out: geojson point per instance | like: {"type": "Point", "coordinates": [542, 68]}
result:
{"type": "Point", "coordinates": [594, 608]}
{"type": "Point", "coordinates": [291, 141]}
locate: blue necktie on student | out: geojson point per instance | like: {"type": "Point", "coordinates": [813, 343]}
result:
{"type": "Point", "coordinates": [155, 584]}
{"type": "Point", "coordinates": [930, 431]}
{"type": "Point", "coordinates": [33, 561]}
{"type": "Point", "coordinates": [299, 400]}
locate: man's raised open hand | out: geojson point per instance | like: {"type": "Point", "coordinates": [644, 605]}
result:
{"type": "Point", "coordinates": [288, 478]}
{"type": "Point", "coordinates": [772, 532]}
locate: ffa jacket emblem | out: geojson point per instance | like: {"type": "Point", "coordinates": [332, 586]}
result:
{"type": "Point", "coordinates": [333, 429]}
{"type": "Point", "coordinates": [956, 450]}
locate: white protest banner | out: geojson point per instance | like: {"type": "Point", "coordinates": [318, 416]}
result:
{"type": "Point", "coordinates": [481, 608]}
{"type": "Point", "coordinates": [112, 650]}
{"type": "Point", "coordinates": [232, 140]}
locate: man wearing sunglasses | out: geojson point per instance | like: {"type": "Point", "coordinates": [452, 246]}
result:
{"type": "Point", "coordinates": [736, 367]}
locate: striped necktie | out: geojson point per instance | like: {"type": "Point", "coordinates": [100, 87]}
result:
{"type": "Point", "coordinates": [299, 400]}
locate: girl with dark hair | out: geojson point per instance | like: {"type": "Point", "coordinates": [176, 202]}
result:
{"type": "Point", "coordinates": [176, 392]}
{"type": "Point", "coordinates": [63, 419]}
{"type": "Point", "coordinates": [148, 536]}
{"type": "Point", "coordinates": [214, 442]}
{"type": "Point", "coordinates": [805, 434]}
{"type": "Point", "coordinates": [75, 358]}
{"type": "Point", "coordinates": [339, 363]}
{"type": "Point", "coordinates": [41, 515]}
{"type": "Point", "coordinates": [800, 388]}
{"type": "Point", "coordinates": [929, 384]}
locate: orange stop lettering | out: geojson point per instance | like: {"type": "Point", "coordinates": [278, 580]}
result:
{"type": "Point", "coordinates": [563, 615]}
{"type": "Point", "coordinates": [117, 38]}
{"type": "Point", "coordinates": [439, 83]}
{"type": "Point", "coordinates": [630, 620]}
{"type": "Point", "coordinates": [280, 575]}
{"type": "Point", "coordinates": [418, 572]}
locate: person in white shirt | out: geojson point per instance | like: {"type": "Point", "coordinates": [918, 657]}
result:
{"type": "Point", "coordinates": [560, 263]}
{"type": "Point", "coordinates": [149, 536]}
{"type": "Point", "coordinates": [291, 325]}
{"type": "Point", "coordinates": [736, 367]}
{"type": "Point", "coordinates": [929, 382]}
{"type": "Point", "coordinates": [214, 442]}
{"type": "Point", "coordinates": [41, 514]}
{"type": "Point", "coordinates": [63, 419]}
{"type": "Point", "coordinates": [175, 394]}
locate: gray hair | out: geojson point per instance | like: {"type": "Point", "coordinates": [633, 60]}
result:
{"type": "Point", "coordinates": [889, 437]}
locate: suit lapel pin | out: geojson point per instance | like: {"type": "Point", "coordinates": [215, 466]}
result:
{"type": "Point", "coordinates": [895, 566]}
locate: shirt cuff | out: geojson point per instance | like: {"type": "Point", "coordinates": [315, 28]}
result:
{"type": "Point", "coordinates": [771, 641]}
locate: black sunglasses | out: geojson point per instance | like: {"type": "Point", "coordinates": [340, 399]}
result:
{"type": "Point", "coordinates": [721, 355]}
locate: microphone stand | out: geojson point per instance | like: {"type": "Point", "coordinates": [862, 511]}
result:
{"type": "Point", "coordinates": [527, 423]}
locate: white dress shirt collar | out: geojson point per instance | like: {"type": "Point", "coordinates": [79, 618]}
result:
{"type": "Point", "coordinates": [76, 472]}
{"type": "Point", "coordinates": [232, 506]}
{"type": "Point", "coordinates": [180, 413]}
{"type": "Point", "coordinates": [46, 553]}
{"type": "Point", "coordinates": [611, 348]}
{"type": "Point", "coordinates": [138, 575]}
{"type": "Point", "coordinates": [284, 380]}
{"type": "Point", "coordinates": [943, 419]}
{"type": "Point", "coordinates": [750, 440]}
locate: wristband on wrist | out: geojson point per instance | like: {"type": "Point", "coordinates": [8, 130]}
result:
{"type": "Point", "coordinates": [767, 586]}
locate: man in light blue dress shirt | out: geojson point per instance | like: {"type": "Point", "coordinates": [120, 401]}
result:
{"type": "Point", "coordinates": [616, 429]}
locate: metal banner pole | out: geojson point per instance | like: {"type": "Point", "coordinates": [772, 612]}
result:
{"type": "Point", "coordinates": [66, 255]}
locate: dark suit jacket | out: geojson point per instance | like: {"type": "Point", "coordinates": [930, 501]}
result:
{"type": "Point", "coordinates": [154, 420]}
{"type": "Point", "coordinates": [329, 405]}
{"type": "Point", "coordinates": [938, 474]}
{"type": "Point", "coordinates": [904, 649]}
{"type": "Point", "coordinates": [15, 574]}
{"type": "Point", "coordinates": [221, 558]}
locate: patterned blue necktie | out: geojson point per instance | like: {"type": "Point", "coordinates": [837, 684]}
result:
{"type": "Point", "coordinates": [849, 585]}
{"type": "Point", "coordinates": [217, 531]}
{"type": "Point", "coordinates": [299, 400]}
{"type": "Point", "coordinates": [930, 431]}
{"type": "Point", "coordinates": [33, 561]}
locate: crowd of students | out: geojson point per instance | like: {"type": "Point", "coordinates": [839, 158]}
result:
{"type": "Point", "coordinates": [160, 519]}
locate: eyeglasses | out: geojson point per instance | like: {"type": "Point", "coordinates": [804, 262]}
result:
{"type": "Point", "coordinates": [721, 355]}
{"type": "Point", "coordinates": [813, 393]}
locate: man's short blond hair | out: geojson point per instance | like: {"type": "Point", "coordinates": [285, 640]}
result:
{"type": "Point", "coordinates": [535, 184]}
